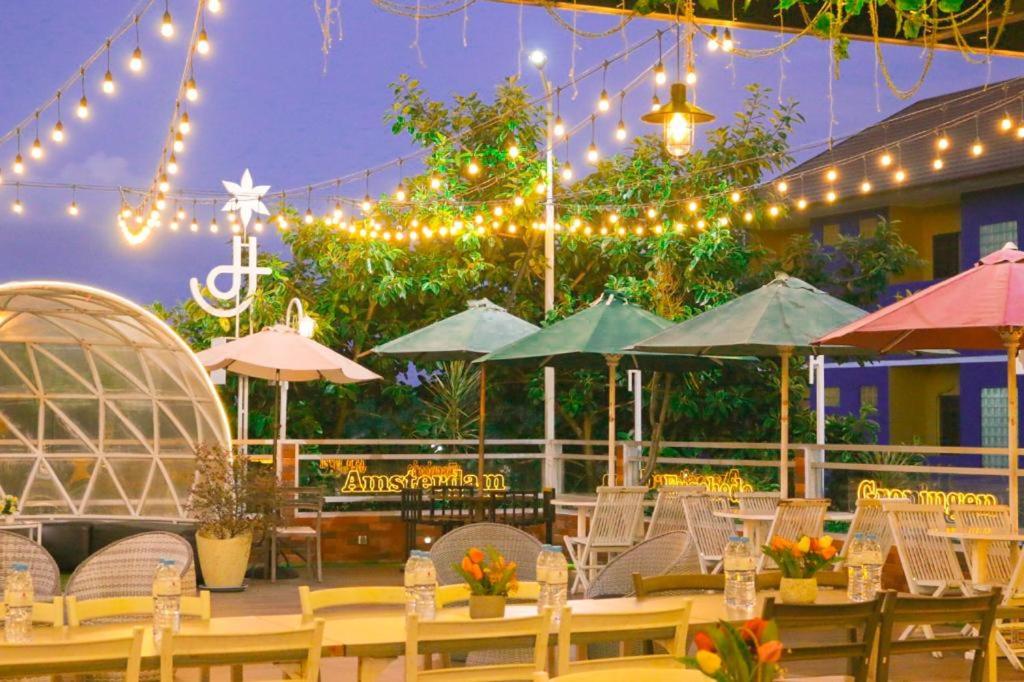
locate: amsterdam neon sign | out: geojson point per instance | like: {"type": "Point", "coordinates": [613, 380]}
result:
{"type": "Point", "coordinates": [730, 482]}
{"type": "Point", "coordinates": [869, 489]}
{"type": "Point", "coordinates": [354, 478]}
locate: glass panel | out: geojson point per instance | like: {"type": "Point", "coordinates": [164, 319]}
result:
{"type": "Point", "coordinates": [17, 353]}
{"type": "Point", "coordinates": [57, 380]}
{"type": "Point", "coordinates": [116, 381]}
{"type": "Point", "coordinates": [87, 328]}
{"type": "Point", "coordinates": [43, 495]}
{"type": "Point", "coordinates": [159, 501]}
{"type": "Point", "coordinates": [182, 472]}
{"type": "Point", "coordinates": [29, 326]}
{"type": "Point", "coordinates": [994, 415]}
{"type": "Point", "coordinates": [132, 474]}
{"type": "Point", "coordinates": [194, 377]}
{"type": "Point", "coordinates": [14, 475]}
{"type": "Point", "coordinates": [73, 356]}
{"type": "Point", "coordinates": [59, 437]}
{"type": "Point", "coordinates": [127, 359]}
{"type": "Point", "coordinates": [172, 440]}
{"type": "Point", "coordinates": [105, 499]}
{"type": "Point", "coordinates": [163, 369]}
{"type": "Point", "coordinates": [118, 437]}
{"type": "Point", "coordinates": [85, 414]}
{"type": "Point", "coordinates": [130, 328]}
{"type": "Point", "coordinates": [21, 414]}
{"type": "Point", "coordinates": [11, 381]}
{"type": "Point", "coordinates": [994, 236]}
{"type": "Point", "coordinates": [73, 475]}
{"type": "Point", "coordinates": [185, 413]}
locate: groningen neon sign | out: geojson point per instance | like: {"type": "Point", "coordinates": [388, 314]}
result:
{"type": "Point", "coordinates": [868, 489]}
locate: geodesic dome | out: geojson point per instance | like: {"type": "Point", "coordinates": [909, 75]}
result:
{"type": "Point", "coordinates": [102, 405]}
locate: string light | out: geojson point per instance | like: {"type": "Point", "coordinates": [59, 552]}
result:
{"type": "Point", "coordinates": [735, 197]}
{"type": "Point", "coordinates": [620, 128]}
{"type": "Point", "coordinates": [435, 182]}
{"type": "Point", "coordinates": [513, 151]}
{"type": "Point", "coordinates": [191, 90]}
{"type": "Point", "coordinates": [83, 104]}
{"type": "Point", "coordinates": [1006, 123]}
{"type": "Point", "coordinates": [172, 164]}
{"type": "Point", "coordinates": [473, 168]}
{"type": "Point", "coordinates": [163, 184]}
{"type": "Point", "coordinates": [135, 63]}
{"type": "Point", "coordinates": [900, 175]}
{"type": "Point", "coordinates": [36, 151]}
{"type": "Point", "coordinates": [865, 186]}
{"type": "Point", "coordinates": [942, 143]}
{"type": "Point", "coordinates": [831, 196]}
{"type": "Point", "coordinates": [184, 124]}
{"type": "Point", "coordinates": [57, 135]}
{"type": "Point", "coordinates": [713, 40]}
{"type": "Point", "coordinates": [593, 155]}
{"type": "Point", "coordinates": [831, 175]}
{"type": "Point", "coordinates": [885, 160]}
{"type": "Point", "coordinates": [179, 142]}
{"type": "Point", "coordinates": [73, 206]}
{"type": "Point", "coordinates": [603, 103]}
{"type": "Point", "coordinates": [214, 6]}
{"type": "Point", "coordinates": [801, 203]}
{"type": "Point", "coordinates": [567, 171]}
{"type": "Point", "coordinates": [727, 42]}
{"type": "Point", "coordinates": [166, 24]}
{"type": "Point", "coordinates": [660, 77]}
{"type": "Point", "coordinates": [203, 43]}
{"type": "Point", "coordinates": [19, 162]}
{"type": "Point", "coordinates": [977, 149]}
{"type": "Point", "coordinates": [782, 187]}
{"type": "Point", "coordinates": [17, 206]}
{"type": "Point", "coordinates": [748, 216]}
{"type": "Point", "coordinates": [937, 164]}
{"type": "Point", "coordinates": [214, 228]}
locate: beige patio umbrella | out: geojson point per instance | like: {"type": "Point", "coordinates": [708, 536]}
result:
{"type": "Point", "coordinates": [280, 353]}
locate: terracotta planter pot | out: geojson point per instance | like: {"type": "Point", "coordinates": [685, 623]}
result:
{"type": "Point", "coordinates": [487, 606]}
{"type": "Point", "coordinates": [224, 561]}
{"type": "Point", "coordinates": [798, 590]}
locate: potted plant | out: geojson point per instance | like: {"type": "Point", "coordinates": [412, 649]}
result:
{"type": "Point", "coordinates": [8, 507]}
{"type": "Point", "coordinates": [232, 501]}
{"type": "Point", "coordinates": [799, 562]}
{"type": "Point", "coordinates": [491, 580]}
{"type": "Point", "coordinates": [748, 653]}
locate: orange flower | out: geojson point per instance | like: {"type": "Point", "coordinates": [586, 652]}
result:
{"type": "Point", "coordinates": [476, 572]}
{"type": "Point", "coordinates": [828, 552]}
{"type": "Point", "coordinates": [475, 555]}
{"type": "Point", "coordinates": [815, 545]}
{"type": "Point", "coordinates": [754, 627]}
{"type": "Point", "coordinates": [703, 641]}
{"type": "Point", "coordinates": [467, 565]}
{"type": "Point", "coordinates": [780, 543]}
{"type": "Point", "coordinates": [769, 652]}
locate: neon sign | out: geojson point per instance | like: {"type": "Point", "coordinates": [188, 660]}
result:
{"type": "Point", "coordinates": [730, 482]}
{"type": "Point", "coordinates": [355, 479]}
{"type": "Point", "coordinates": [869, 489]}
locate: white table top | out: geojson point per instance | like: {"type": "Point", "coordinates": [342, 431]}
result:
{"type": "Point", "coordinates": [737, 515]}
{"type": "Point", "coordinates": [584, 501]}
{"type": "Point", "coordinates": [982, 534]}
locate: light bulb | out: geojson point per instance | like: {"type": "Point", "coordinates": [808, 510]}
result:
{"type": "Point", "coordinates": [367, 204]}
{"type": "Point", "coordinates": [517, 201]}
{"type": "Point", "coordinates": [185, 124]}
{"type": "Point", "coordinates": [161, 203]}
{"type": "Point", "coordinates": [865, 186]}
{"type": "Point", "coordinates": [652, 213]}
{"type": "Point", "coordinates": [163, 185]}
{"type": "Point", "coordinates": [135, 63]}
{"type": "Point", "coordinates": [977, 148]}
{"type": "Point", "coordinates": [831, 196]}
{"type": "Point", "coordinates": [179, 142]}
{"type": "Point", "coordinates": [937, 164]}
{"type": "Point", "coordinates": [713, 40]}
{"type": "Point", "coordinates": [19, 164]}
{"type": "Point", "coordinates": [108, 83]}
{"type": "Point", "coordinates": [73, 209]}
{"type": "Point", "coordinates": [513, 151]}
{"type": "Point", "coordinates": [691, 77]}
{"type": "Point", "coordinates": [36, 151]}
{"type": "Point", "coordinates": [127, 212]}
{"type": "Point", "coordinates": [58, 132]}
{"type": "Point", "coordinates": [885, 160]}
{"type": "Point", "coordinates": [83, 108]}
{"type": "Point", "coordinates": [258, 226]}
{"type": "Point", "coordinates": [559, 127]}
{"type": "Point", "coordinates": [678, 134]}
{"type": "Point", "coordinates": [603, 104]}
{"type": "Point", "coordinates": [701, 224]}
{"type": "Point", "coordinates": [1020, 132]}
{"type": "Point", "coordinates": [214, 6]}
{"type": "Point", "coordinates": [308, 217]}
{"type": "Point", "coordinates": [620, 131]}
{"type": "Point", "coordinates": [692, 206]}
{"type": "Point", "coordinates": [655, 103]}
{"type": "Point", "coordinates": [338, 213]}
{"type": "Point", "coordinates": [831, 174]}
{"type": "Point", "coordinates": [179, 214]}
{"type": "Point", "coordinates": [174, 226]}
{"type": "Point", "coordinates": [748, 216]}
{"type": "Point", "coordinates": [214, 228]}
{"type": "Point", "coordinates": [613, 218]}
{"type": "Point", "coordinates": [801, 204]}
{"type": "Point", "coordinates": [172, 164]}
{"type": "Point", "coordinates": [18, 207]}
{"type": "Point", "coordinates": [499, 211]}
{"type": "Point", "coordinates": [735, 197]}
{"type": "Point", "coordinates": [191, 91]}
{"type": "Point", "coordinates": [592, 154]}
{"type": "Point", "coordinates": [473, 168]}
{"type": "Point", "coordinates": [567, 171]}
{"type": "Point", "coordinates": [400, 193]}
{"type": "Point", "coordinates": [659, 74]}
{"type": "Point", "coordinates": [942, 144]}
{"type": "Point", "coordinates": [203, 43]}
{"type": "Point", "coordinates": [1005, 123]}
{"type": "Point", "coordinates": [900, 175]}
{"type": "Point", "coordinates": [538, 57]}
{"type": "Point", "coordinates": [541, 188]}
{"type": "Point", "coordinates": [167, 25]}
{"type": "Point", "coordinates": [782, 187]}
{"type": "Point", "coordinates": [194, 225]}
{"type": "Point", "coordinates": [773, 211]}
{"type": "Point", "coordinates": [435, 182]}
{"type": "Point", "coordinates": [727, 42]}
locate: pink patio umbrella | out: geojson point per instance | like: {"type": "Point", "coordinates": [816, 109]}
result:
{"type": "Point", "coordinates": [280, 353]}
{"type": "Point", "coordinates": [978, 309]}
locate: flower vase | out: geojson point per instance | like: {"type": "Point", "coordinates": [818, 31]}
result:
{"type": "Point", "coordinates": [487, 605]}
{"type": "Point", "coordinates": [798, 590]}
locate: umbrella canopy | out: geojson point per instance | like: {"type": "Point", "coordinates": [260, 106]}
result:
{"type": "Point", "coordinates": [279, 353]}
{"type": "Point", "coordinates": [981, 308]}
{"type": "Point", "coordinates": [480, 329]}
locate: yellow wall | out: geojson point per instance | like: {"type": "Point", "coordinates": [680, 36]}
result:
{"type": "Point", "coordinates": [917, 226]}
{"type": "Point", "coordinates": [774, 240]}
{"type": "Point", "coordinates": [914, 401]}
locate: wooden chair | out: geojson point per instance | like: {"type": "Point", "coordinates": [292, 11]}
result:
{"type": "Point", "coordinates": [978, 613]}
{"type": "Point", "coordinates": [929, 563]}
{"type": "Point", "coordinates": [43, 612]}
{"type": "Point", "coordinates": [312, 601]}
{"type": "Point", "coordinates": [84, 611]}
{"type": "Point", "coordinates": [637, 674]}
{"type": "Point", "coordinates": [613, 528]}
{"type": "Point", "coordinates": [860, 620]}
{"type": "Point", "coordinates": [868, 518]}
{"type": "Point", "coordinates": [1000, 555]}
{"type": "Point", "coordinates": [669, 514]}
{"type": "Point", "coordinates": [425, 638]}
{"type": "Point", "coordinates": [794, 518]}
{"type": "Point", "coordinates": [1009, 635]}
{"type": "Point", "coordinates": [114, 654]}
{"type": "Point", "coordinates": [758, 503]}
{"type": "Point", "coordinates": [302, 645]}
{"type": "Point", "coordinates": [710, 532]}
{"type": "Point", "coordinates": [293, 501]}
{"type": "Point", "coordinates": [667, 626]}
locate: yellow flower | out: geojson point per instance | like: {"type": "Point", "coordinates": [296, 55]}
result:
{"type": "Point", "coordinates": [709, 662]}
{"type": "Point", "coordinates": [804, 545]}
{"type": "Point", "coordinates": [825, 541]}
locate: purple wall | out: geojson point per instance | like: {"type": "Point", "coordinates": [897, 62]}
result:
{"type": "Point", "coordinates": [849, 378]}
{"type": "Point", "coordinates": [982, 208]}
{"type": "Point", "coordinates": [849, 223]}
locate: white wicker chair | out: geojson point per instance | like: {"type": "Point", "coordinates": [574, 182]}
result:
{"type": "Point", "coordinates": [41, 566]}
{"type": "Point", "coordinates": [669, 514]}
{"type": "Point", "coordinates": [1000, 555]}
{"type": "Point", "coordinates": [710, 533]}
{"type": "Point", "coordinates": [126, 568]}
{"type": "Point", "coordinates": [613, 529]}
{"type": "Point", "coordinates": [929, 563]}
{"type": "Point", "coordinates": [758, 503]}
{"type": "Point", "coordinates": [868, 518]}
{"type": "Point", "coordinates": [673, 552]}
{"type": "Point", "coordinates": [795, 518]}
{"type": "Point", "coordinates": [514, 544]}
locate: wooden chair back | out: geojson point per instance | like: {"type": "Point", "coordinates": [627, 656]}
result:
{"type": "Point", "coordinates": [667, 626]}
{"type": "Point", "coordinates": [710, 533]}
{"type": "Point", "coordinates": [978, 613]}
{"type": "Point", "coordinates": [106, 654]}
{"type": "Point", "coordinates": [618, 675]}
{"type": "Point", "coordinates": [312, 601]}
{"type": "Point", "coordinates": [929, 563]}
{"type": "Point", "coordinates": [43, 612]}
{"type": "Point", "coordinates": [758, 502]}
{"type": "Point", "coordinates": [669, 514]}
{"type": "Point", "coordinates": [451, 636]}
{"type": "Point", "coordinates": [450, 504]}
{"type": "Point", "coordinates": [302, 645]}
{"type": "Point", "coordinates": [84, 611]}
{"type": "Point", "coordinates": [995, 517]}
{"type": "Point", "coordinates": [794, 518]}
{"type": "Point", "coordinates": [616, 516]}
{"type": "Point", "coordinates": [868, 518]}
{"type": "Point", "coordinates": [860, 620]}
{"type": "Point", "coordinates": [682, 583]}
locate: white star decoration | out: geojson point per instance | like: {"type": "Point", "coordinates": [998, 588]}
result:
{"type": "Point", "coordinates": [245, 198]}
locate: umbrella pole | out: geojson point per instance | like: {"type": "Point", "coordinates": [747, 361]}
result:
{"type": "Point", "coordinates": [481, 444]}
{"type": "Point", "coordinates": [277, 422]}
{"type": "Point", "coordinates": [1012, 339]}
{"type": "Point", "coordinates": [613, 363]}
{"type": "Point", "coordinates": [784, 356]}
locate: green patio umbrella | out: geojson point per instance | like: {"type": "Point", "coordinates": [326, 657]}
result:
{"type": "Point", "coordinates": [594, 338]}
{"type": "Point", "coordinates": [476, 331]}
{"type": "Point", "coordinates": [781, 318]}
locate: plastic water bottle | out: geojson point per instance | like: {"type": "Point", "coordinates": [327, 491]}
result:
{"type": "Point", "coordinates": [426, 588]}
{"type": "Point", "coordinates": [166, 598]}
{"type": "Point", "coordinates": [739, 566]}
{"type": "Point", "coordinates": [558, 581]}
{"type": "Point", "coordinates": [18, 597]}
{"type": "Point", "coordinates": [543, 562]}
{"type": "Point", "coordinates": [872, 561]}
{"type": "Point", "coordinates": [855, 568]}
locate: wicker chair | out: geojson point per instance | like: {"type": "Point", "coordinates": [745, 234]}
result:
{"type": "Point", "coordinates": [869, 518]}
{"type": "Point", "coordinates": [514, 544]}
{"type": "Point", "coordinates": [710, 533]}
{"type": "Point", "coordinates": [669, 514]}
{"type": "Point", "coordinates": [41, 566]}
{"type": "Point", "coordinates": [674, 552]}
{"type": "Point", "coordinates": [795, 518]}
{"type": "Point", "coordinates": [758, 503]}
{"type": "Point", "coordinates": [125, 568]}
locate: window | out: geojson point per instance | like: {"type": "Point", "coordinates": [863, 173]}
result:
{"type": "Point", "coordinates": [945, 255]}
{"type": "Point", "coordinates": [993, 425]}
{"type": "Point", "coordinates": [993, 236]}
{"type": "Point", "coordinates": [831, 396]}
{"type": "Point", "coordinates": [869, 397]}
{"type": "Point", "coordinates": [949, 420]}
{"type": "Point", "coordinates": [868, 226]}
{"type": "Point", "coordinates": [830, 235]}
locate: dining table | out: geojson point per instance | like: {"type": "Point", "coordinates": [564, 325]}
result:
{"type": "Point", "coordinates": [979, 541]}
{"type": "Point", "coordinates": [757, 524]}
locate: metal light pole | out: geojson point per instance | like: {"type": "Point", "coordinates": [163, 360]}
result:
{"type": "Point", "coordinates": [539, 60]}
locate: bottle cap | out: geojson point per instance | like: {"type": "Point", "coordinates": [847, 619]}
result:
{"type": "Point", "coordinates": [19, 566]}
{"type": "Point", "coordinates": [858, 536]}
{"type": "Point", "coordinates": [872, 537]}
